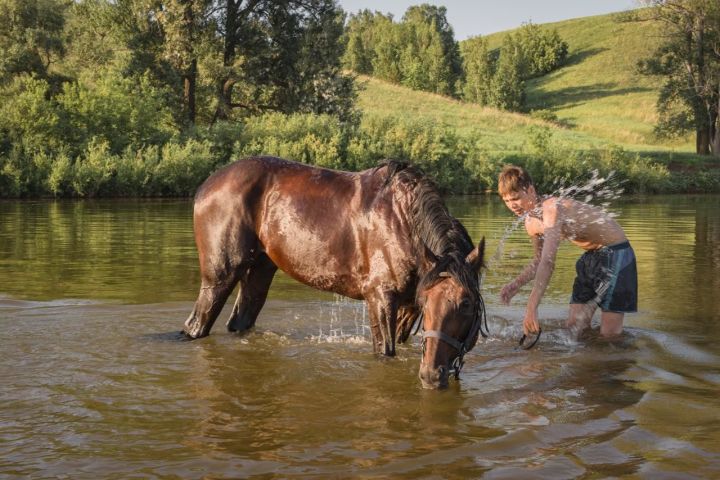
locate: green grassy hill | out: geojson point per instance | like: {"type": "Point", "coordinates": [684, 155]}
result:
{"type": "Point", "coordinates": [598, 95]}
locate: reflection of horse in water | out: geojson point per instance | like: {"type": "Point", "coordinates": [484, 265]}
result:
{"type": "Point", "coordinates": [382, 235]}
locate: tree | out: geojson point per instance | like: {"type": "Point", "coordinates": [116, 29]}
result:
{"type": "Point", "coordinates": [184, 23]}
{"type": "Point", "coordinates": [508, 87]}
{"type": "Point", "coordinates": [689, 59]}
{"type": "Point", "coordinates": [389, 43]}
{"type": "Point", "coordinates": [479, 67]}
{"type": "Point", "coordinates": [281, 56]}
{"type": "Point", "coordinates": [360, 37]}
{"type": "Point", "coordinates": [542, 50]}
{"type": "Point", "coordinates": [435, 46]}
{"type": "Point", "coordinates": [30, 36]}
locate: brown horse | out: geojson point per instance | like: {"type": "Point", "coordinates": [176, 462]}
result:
{"type": "Point", "coordinates": [382, 235]}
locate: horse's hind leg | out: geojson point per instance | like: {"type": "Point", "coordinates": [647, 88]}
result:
{"type": "Point", "coordinates": [254, 285]}
{"type": "Point", "coordinates": [220, 270]}
{"type": "Point", "coordinates": [210, 301]}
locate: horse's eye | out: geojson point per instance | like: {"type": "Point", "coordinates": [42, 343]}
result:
{"type": "Point", "coordinates": [465, 306]}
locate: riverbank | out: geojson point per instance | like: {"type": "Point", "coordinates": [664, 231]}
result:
{"type": "Point", "coordinates": [458, 163]}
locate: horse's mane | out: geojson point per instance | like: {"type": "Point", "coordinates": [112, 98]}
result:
{"type": "Point", "coordinates": [433, 228]}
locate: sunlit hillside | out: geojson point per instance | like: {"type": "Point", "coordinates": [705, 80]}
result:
{"type": "Point", "coordinates": [598, 96]}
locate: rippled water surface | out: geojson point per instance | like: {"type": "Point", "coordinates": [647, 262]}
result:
{"type": "Point", "coordinates": [96, 382]}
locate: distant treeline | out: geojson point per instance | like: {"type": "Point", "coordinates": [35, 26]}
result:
{"type": "Point", "coordinates": [420, 52]}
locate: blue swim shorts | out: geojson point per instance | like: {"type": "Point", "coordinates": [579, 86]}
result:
{"type": "Point", "coordinates": [608, 277]}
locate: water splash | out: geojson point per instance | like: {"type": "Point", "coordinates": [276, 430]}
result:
{"type": "Point", "coordinates": [597, 190]}
{"type": "Point", "coordinates": [346, 321]}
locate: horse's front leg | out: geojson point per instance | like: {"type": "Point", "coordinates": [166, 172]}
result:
{"type": "Point", "coordinates": [383, 310]}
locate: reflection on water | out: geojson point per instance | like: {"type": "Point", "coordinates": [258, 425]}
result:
{"type": "Point", "coordinates": [96, 382]}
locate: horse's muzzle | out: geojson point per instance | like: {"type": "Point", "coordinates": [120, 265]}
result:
{"type": "Point", "coordinates": [434, 378]}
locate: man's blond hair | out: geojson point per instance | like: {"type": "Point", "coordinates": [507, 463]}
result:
{"type": "Point", "coordinates": [513, 179]}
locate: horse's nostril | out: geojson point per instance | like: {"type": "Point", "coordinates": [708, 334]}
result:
{"type": "Point", "coordinates": [442, 371]}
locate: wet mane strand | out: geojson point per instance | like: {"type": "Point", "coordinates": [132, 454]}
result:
{"type": "Point", "coordinates": [433, 227]}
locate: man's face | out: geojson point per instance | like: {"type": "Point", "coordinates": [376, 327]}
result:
{"type": "Point", "coordinates": [520, 202]}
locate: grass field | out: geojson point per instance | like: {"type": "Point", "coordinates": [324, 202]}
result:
{"type": "Point", "coordinates": [599, 97]}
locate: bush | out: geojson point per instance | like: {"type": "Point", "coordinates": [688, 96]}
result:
{"type": "Point", "coordinates": [438, 150]}
{"type": "Point", "coordinates": [544, 115]}
{"type": "Point", "coordinates": [122, 111]}
{"type": "Point", "coordinates": [555, 167]}
{"type": "Point", "coordinates": [31, 123]}
{"type": "Point", "coordinates": [93, 170]}
{"type": "Point", "coordinates": [183, 167]}
{"type": "Point", "coordinates": [136, 170]}
{"type": "Point", "coordinates": [312, 139]}
{"type": "Point", "coordinates": [59, 181]}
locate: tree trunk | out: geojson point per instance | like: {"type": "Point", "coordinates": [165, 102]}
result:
{"type": "Point", "coordinates": [225, 84]}
{"type": "Point", "coordinates": [702, 141]}
{"type": "Point", "coordinates": [189, 85]}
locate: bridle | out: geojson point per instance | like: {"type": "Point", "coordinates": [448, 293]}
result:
{"type": "Point", "coordinates": [479, 325]}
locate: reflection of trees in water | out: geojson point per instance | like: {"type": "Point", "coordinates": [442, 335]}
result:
{"type": "Point", "coordinates": [135, 250]}
{"type": "Point", "coordinates": [707, 259]}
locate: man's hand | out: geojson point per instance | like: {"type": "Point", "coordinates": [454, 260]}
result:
{"type": "Point", "coordinates": [530, 324]}
{"type": "Point", "coordinates": [508, 292]}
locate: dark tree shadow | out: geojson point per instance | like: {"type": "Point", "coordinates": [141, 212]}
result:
{"type": "Point", "coordinates": [574, 96]}
{"type": "Point", "coordinates": [582, 55]}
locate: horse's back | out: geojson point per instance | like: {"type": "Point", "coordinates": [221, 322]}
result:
{"type": "Point", "coordinates": [324, 227]}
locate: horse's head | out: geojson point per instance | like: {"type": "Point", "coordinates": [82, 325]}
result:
{"type": "Point", "coordinates": [452, 316]}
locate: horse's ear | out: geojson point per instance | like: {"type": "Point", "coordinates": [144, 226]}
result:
{"type": "Point", "coordinates": [476, 258]}
{"type": "Point", "coordinates": [429, 260]}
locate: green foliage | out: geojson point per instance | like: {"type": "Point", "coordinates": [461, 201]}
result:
{"type": "Point", "coordinates": [279, 56]}
{"type": "Point", "coordinates": [30, 122]}
{"type": "Point", "coordinates": [122, 111]}
{"type": "Point", "coordinates": [552, 164]}
{"type": "Point", "coordinates": [436, 149]}
{"type": "Point", "coordinates": [479, 67]}
{"type": "Point", "coordinates": [541, 50]}
{"type": "Point", "coordinates": [112, 125]}
{"type": "Point", "coordinates": [507, 90]}
{"type": "Point", "coordinates": [498, 80]}
{"type": "Point", "coordinates": [93, 170]}
{"type": "Point", "coordinates": [30, 36]}
{"type": "Point", "coordinates": [388, 46]}
{"type": "Point", "coordinates": [544, 115]}
{"type": "Point", "coordinates": [689, 61]}
{"type": "Point", "coordinates": [313, 139]}
{"type": "Point", "coordinates": [420, 52]}
{"type": "Point", "coordinates": [360, 38]}
{"type": "Point", "coordinates": [432, 40]}
{"type": "Point", "coordinates": [59, 181]}
{"type": "Point", "coordinates": [183, 167]}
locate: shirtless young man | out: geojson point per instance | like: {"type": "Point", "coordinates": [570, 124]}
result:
{"type": "Point", "coordinates": [606, 272]}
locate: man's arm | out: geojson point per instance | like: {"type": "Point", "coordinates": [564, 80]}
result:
{"type": "Point", "coordinates": [551, 243]}
{"type": "Point", "coordinates": [527, 274]}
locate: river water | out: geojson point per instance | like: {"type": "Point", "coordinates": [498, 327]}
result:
{"type": "Point", "coordinates": [96, 382]}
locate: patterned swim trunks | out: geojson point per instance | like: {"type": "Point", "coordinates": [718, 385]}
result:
{"type": "Point", "coordinates": [608, 277]}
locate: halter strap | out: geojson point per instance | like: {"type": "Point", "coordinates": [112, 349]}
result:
{"type": "Point", "coordinates": [445, 338]}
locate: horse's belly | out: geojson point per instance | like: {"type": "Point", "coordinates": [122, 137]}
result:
{"type": "Point", "coordinates": [313, 261]}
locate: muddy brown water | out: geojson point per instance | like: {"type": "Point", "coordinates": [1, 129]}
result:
{"type": "Point", "coordinates": [96, 382]}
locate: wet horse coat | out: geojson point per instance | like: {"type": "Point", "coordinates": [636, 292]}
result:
{"type": "Point", "coordinates": [374, 235]}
